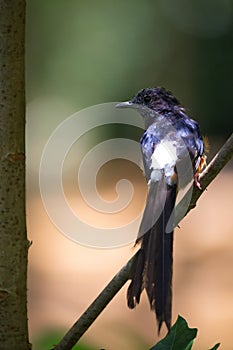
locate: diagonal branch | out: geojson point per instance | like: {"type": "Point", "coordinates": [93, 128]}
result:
{"type": "Point", "coordinates": [85, 321]}
{"type": "Point", "coordinates": [213, 169]}
{"type": "Point", "coordinates": [97, 306]}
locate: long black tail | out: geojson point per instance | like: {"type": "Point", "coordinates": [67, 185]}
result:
{"type": "Point", "coordinates": [153, 267]}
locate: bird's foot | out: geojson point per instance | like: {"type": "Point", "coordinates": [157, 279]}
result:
{"type": "Point", "coordinates": [196, 181]}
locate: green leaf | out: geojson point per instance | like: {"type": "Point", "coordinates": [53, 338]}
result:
{"type": "Point", "coordinates": [180, 337]}
{"type": "Point", "coordinates": [215, 347]}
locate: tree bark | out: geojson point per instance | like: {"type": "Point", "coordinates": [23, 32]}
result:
{"type": "Point", "coordinates": [13, 239]}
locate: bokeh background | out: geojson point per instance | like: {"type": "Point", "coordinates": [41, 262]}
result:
{"type": "Point", "coordinates": [81, 53]}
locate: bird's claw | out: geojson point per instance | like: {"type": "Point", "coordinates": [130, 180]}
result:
{"type": "Point", "coordinates": [196, 181]}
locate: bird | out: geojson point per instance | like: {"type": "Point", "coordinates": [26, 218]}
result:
{"type": "Point", "coordinates": [173, 153]}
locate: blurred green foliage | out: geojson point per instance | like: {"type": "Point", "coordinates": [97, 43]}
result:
{"type": "Point", "coordinates": [181, 337]}
{"type": "Point", "coordinates": [89, 52]}
{"type": "Point", "coordinates": [47, 340]}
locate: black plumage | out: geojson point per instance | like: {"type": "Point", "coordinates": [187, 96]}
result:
{"type": "Point", "coordinates": [172, 152]}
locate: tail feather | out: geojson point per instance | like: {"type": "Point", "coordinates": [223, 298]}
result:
{"type": "Point", "coordinates": [153, 267]}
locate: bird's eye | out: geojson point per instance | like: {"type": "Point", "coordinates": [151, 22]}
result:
{"type": "Point", "coordinates": [147, 99]}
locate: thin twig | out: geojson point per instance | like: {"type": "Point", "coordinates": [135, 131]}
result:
{"type": "Point", "coordinates": [188, 202]}
{"type": "Point", "coordinates": [98, 305]}
{"type": "Point", "coordinates": [223, 156]}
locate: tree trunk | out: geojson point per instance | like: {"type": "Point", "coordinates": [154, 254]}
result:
{"type": "Point", "coordinates": [13, 239]}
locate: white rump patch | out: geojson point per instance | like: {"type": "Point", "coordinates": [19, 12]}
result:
{"type": "Point", "coordinates": [164, 157]}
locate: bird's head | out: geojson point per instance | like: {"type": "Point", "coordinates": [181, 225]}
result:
{"type": "Point", "coordinates": [156, 99]}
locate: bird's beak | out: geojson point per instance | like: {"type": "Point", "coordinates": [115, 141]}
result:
{"type": "Point", "coordinates": [126, 104]}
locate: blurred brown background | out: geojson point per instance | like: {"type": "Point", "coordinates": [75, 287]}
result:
{"type": "Point", "coordinates": [85, 53]}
